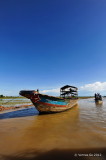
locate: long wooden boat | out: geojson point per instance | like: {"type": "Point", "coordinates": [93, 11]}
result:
{"type": "Point", "coordinates": [49, 104]}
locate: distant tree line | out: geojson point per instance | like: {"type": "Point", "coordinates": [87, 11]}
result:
{"type": "Point", "coordinates": [1, 96]}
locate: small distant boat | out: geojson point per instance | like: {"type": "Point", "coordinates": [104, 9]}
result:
{"type": "Point", "coordinates": [50, 104]}
{"type": "Point", "coordinates": [98, 98]}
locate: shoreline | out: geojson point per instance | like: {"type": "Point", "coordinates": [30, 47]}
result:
{"type": "Point", "coordinates": [2, 108]}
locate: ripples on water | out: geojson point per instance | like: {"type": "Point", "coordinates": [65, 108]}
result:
{"type": "Point", "coordinates": [82, 129]}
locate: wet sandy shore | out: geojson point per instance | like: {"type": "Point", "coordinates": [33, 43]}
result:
{"type": "Point", "coordinates": [2, 108]}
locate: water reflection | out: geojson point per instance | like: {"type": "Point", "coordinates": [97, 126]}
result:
{"type": "Point", "coordinates": [98, 104]}
{"type": "Point", "coordinates": [76, 130]}
{"type": "Point", "coordinates": [19, 113]}
{"type": "Point", "coordinates": [42, 132]}
{"type": "Point", "coordinates": [52, 129]}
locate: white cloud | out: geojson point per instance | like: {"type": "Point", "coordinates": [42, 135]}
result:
{"type": "Point", "coordinates": [54, 91]}
{"type": "Point", "coordinates": [94, 87]}
{"type": "Point", "coordinates": [85, 90]}
{"type": "Point", "coordinates": [9, 92]}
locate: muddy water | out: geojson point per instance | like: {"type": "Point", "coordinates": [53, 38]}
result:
{"type": "Point", "coordinates": [24, 134]}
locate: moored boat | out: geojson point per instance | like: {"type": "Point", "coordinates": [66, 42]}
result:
{"type": "Point", "coordinates": [98, 98]}
{"type": "Point", "coordinates": [50, 104]}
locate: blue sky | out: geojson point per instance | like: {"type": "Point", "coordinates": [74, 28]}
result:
{"type": "Point", "coordinates": [46, 44]}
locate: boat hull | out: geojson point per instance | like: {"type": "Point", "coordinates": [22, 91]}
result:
{"type": "Point", "coordinates": [98, 101]}
{"type": "Point", "coordinates": [48, 104]}
{"type": "Point", "coordinates": [43, 107]}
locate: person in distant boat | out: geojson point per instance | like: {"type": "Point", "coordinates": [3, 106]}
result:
{"type": "Point", "coordinates": [100, 97]}
{"type": "Point", "coordinates": [95, 95]}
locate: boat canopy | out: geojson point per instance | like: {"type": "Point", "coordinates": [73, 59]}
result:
{"type": "Point", "coordinates": [68, 91]}
{"type": "Point", "coordinates": [67, 86]}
